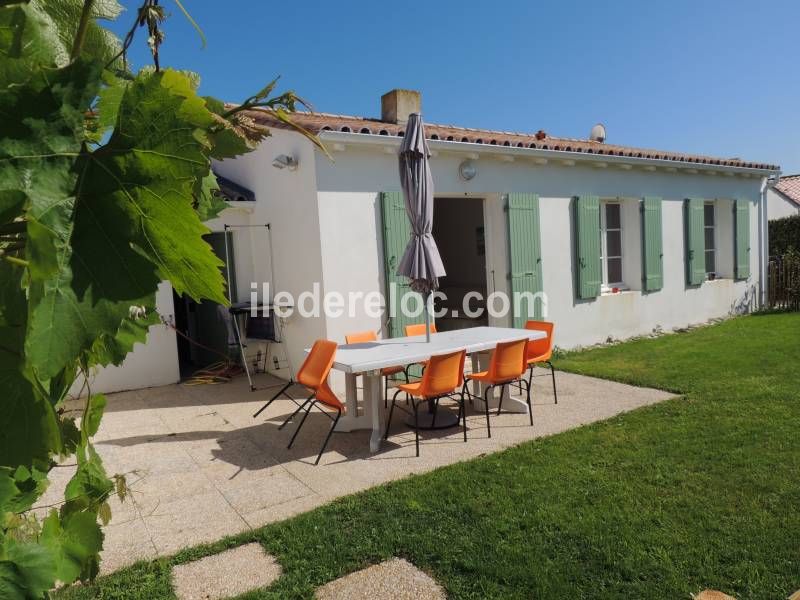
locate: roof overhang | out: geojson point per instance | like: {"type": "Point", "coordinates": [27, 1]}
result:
{"type": "Point", "coordinates": [338, 141]}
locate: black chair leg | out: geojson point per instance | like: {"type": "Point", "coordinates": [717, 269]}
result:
{"type": "Point", "coordinates": [271, 400]}
{"type": "Point", "coordinates": [502, 394]}
{"type": "Point", "coordinates": [530, 408]}
{"type": "Point", "coordinates": [294, 414]}
{"type": "Point", "coordinates": [328, 437]}
{"type": "Point", "coordinates": [300, 425]}
{"type": "Point", "coordinates": [553, 375]}
{"type": "Point", "coordinates": [385, 391]}
{"type": "Point", "coordinates": [416, 425]}
{"type": "Point", "coordinates": [463, 410]}
{"type": "Point", "coordinates": [391, 412]}
{"type": "Point", "coordinates": [486, 406]}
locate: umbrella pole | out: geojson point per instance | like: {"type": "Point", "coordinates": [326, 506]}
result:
{"type": "Point", "coordinates": [427, 317]}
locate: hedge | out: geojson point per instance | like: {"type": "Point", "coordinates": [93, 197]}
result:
{"type": "Point", "coordinates": [784, 234]}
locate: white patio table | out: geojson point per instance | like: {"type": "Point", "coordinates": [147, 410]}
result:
{"type": "Point", "coordinates": [368, 358]}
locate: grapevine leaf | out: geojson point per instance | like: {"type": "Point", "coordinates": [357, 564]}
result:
{"type": "Point", "coordinates": [90, 486]}
{"type": "Point", "coordinates": [74, 541]}
{"type": "Point", "coordinates": [107, 107]}
{"type": "Point", "coordinates": [20, 488]}
{"type": "Point", "coordinates": [141, 213]}
{"type": "Point", "coordinates": [62, 18]}
{"type": "Point", "coordinates": [112, 349]}
{"type": "Point", "coordinates": [94, 412]}
{"type": "Point", "coordinates": [28, 571]}
{"type": "Point", "coordinates": [28, 424]}
{"type": "Point", "coordinates": [208, 203]}
{"type": "Point", "coordinates": [37, 150]}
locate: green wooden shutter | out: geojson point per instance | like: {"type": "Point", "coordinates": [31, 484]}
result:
{"type": "Point", "coordinates": [587, 233]}
{"type": "Point", "coordinates": [695, 241]}
{"type": "Point", "coordinates": [742, 224]}
{"type": "Point", "coordinates": [652, 248]}
{"type": "Point", "coordinates": [396, 233]}
{"type": "Point", "coordinates": [525, 255]}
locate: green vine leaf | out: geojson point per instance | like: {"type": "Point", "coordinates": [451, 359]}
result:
{"type": "Point", "coordinates": [74, 541]}
{"type": "Point", "coordinates": [27, 570]}
{"type": "Point", "coordinates": [92, 415]}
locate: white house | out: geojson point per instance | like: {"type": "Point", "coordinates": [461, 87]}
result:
{"type": "Point", "coordinates": [622, 241]}
{"type": "Point", "coordinates": [783, 198]}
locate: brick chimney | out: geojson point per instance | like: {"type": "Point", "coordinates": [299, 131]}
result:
{"type": "Point", "coordinates": [396, 105]}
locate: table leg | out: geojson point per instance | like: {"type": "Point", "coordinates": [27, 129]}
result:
{"type": "Point", "coordinates": [373, 406]}
{"type": "Point", "coordinates": [480, 362]}
{"type": "Point", "coordinates": [351, 420]}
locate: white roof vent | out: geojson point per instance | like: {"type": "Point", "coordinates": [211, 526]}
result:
{"type": "Point", "coordinates": [598, 133]}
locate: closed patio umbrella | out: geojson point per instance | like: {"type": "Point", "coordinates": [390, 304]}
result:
{"type": "Point", "coordinates": [421, 262]}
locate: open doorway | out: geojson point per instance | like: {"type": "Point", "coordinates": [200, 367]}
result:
{"type": "Point", "coordinates": [458, 229]}
{"type": "Point", "coordinates": [206, 323]}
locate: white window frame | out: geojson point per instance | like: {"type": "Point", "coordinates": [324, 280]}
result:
{"type": "Point", "coordinates": [715, 249]}
{"type": "Point", "coordinates": [607, 286]}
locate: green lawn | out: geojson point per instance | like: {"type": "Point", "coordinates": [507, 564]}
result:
{"type": "Point", "coordinates": [702, 491]}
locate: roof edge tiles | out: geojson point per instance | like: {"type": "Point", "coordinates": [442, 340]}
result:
{"type": "Point", "coordinates": [318, 123]}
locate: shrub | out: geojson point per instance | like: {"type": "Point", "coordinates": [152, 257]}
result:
{"type": "Point", "coordinates": [784, 234]}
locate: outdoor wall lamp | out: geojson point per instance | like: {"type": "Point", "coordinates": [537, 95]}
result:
{"type": "Point", "coordinates": [285, 161]}
{"type": "Point", "coordinates": [467, 170]}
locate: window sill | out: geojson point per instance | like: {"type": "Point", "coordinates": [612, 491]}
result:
{"type": "Point", "coordinates": [620, 292]}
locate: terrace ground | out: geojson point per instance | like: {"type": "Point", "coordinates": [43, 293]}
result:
{"type": "Point", "coordinates": [200, 467]}
{"type": "Point", "coordinates": [661, 502]}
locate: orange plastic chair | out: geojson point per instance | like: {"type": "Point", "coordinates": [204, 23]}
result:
{"type": "Point", "coordinates": [541, 351]}
{"type": "Point", "coordinates": [418, 329]}
{"type": "Point", "coordinates": [506, 367]}
{"type": "Point", "coordinates": [442, 378]}
{"type": "Point", "coordinates": [415, 330]}
{"type": "Point", "coordinates": [387, 372]}
{"type": "Point", "coordinates": [313, 374]}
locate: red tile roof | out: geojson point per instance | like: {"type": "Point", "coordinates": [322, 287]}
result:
{"type": "Point", "coordinates": [320, 122]}
{"type": "Point", "coordinates": [789, 186]}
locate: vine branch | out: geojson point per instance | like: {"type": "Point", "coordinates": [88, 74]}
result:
{"type": "Point", "coordinates": [83, 27]}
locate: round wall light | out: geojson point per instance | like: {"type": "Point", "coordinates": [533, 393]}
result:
{"type": "Point", "coordinates": [467, 170]}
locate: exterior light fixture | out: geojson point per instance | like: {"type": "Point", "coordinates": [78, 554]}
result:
{"type": "Point", "coordinates": [467, 170]}
{"type": "Point", "coordinates": [284, 161]}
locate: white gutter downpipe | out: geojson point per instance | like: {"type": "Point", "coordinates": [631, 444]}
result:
{"type": "Point", "coordinates": [763, 236]}
{"type": "Point", "coordinates": [762, 260]}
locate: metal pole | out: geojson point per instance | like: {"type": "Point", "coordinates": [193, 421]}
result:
{"type": "Point", "coordinates": [234, 316]}
{"type": "Point", "coordinates": [427, 317]}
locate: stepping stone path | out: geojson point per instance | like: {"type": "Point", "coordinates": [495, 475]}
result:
{"type": "Point", "coordinates": [394, 579]}
{"type": "Point", "coordinates": [229, 573]}
{"type": "Point", "coordinates": [713, 595]}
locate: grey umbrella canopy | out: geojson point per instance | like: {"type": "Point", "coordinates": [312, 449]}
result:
{"type": "Point", "coordinates": [421, 262]}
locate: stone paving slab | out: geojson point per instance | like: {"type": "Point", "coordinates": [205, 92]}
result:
{"type": "Point", "coordinates": [394, 579]}
{"type": "Point", "coordinates": [226, 574]}
{"type": "Point", "coordinates": [200, 467]}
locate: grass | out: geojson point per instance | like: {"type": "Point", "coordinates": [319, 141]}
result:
{"type": "Point", "coordinates": [662, 502]}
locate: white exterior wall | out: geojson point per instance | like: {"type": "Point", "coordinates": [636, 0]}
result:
{"type": "Point", "coordinates": [148, 365]}
{"type": "Point", "coordinates": [325, 218]}
{"type": "Point", "coordinates": [779, 206]}
{"type": "Point", "coordinates": [287, 200]}
{"type": "Point", "coordinates": [350, 219]}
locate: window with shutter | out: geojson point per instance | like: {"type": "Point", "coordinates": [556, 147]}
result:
{"type": "Point", "coordinates": [694, 219]}
{"type": "Point", "coordinates": [611, 244]}
{"type": "Point", "coordinates": [652, 245]}
{"type": "Point", "coordinates": [587, 252]}
{"type": "Point", "coordinates": [525, 257]}
{"type": "Point", "coordinates": [742, 238]}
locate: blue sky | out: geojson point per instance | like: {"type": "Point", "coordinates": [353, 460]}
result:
{"type": "Point", "coordinates": [713, 77]}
